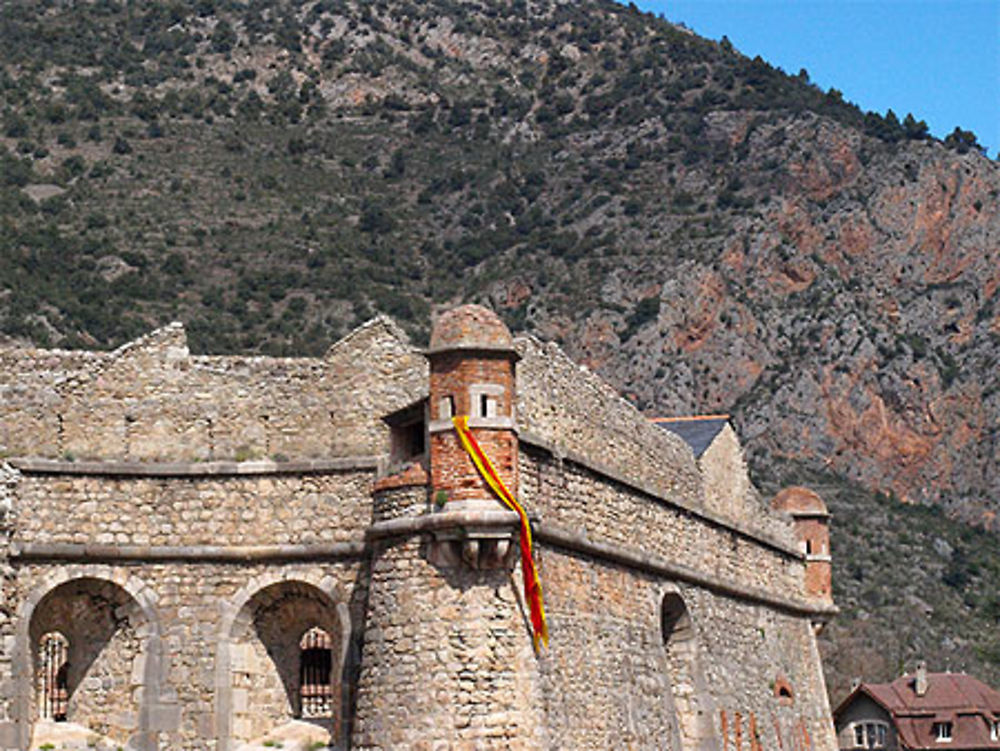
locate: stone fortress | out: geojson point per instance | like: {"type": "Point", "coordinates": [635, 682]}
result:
{"type": "Point", "coordinates": [205, 552]}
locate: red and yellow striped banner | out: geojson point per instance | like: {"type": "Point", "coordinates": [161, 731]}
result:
{"type": "Point", "coordinates": [532, 584]}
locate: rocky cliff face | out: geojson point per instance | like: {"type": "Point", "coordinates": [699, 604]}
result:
{"type": "Point", "coordinates": [851, 321]}
{"type": "Point", "coordinates": [708, 233]}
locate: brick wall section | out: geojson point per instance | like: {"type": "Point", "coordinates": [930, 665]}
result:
{"type": "Point", "coordinates": [819, 572]}
{"type": "Point", "coordinates": [454, 374]}
{"type": "Point", "coordinates": [453, 472]}
{"type": "Point", "coordinates": [152, 401]}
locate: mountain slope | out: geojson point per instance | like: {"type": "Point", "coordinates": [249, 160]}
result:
{"type": "Point", "coordinates": [705, 231]}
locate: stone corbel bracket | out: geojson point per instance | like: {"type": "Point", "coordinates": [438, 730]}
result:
{"type": "Point", "coordinates": [479, 538]}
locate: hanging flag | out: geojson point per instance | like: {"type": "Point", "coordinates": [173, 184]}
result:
{"type": "Point", "coordinates": [532, 584]}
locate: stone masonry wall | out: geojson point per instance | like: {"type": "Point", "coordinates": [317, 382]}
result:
{"type": "Point", "coordinates": [8, 485]}
{"type": "Point", "coordinates": [267, 509]}
{"type": "Point", "coordinates": [574, 498]}
{"type": "Point", "coordinates": [748, 650]}
{"type": "Point", "coordinates": [728, 490]}
{"type": "Point", "coordinates": [572, 409]}
{"type": "Point", "coordinates": [607, 683]}
{"type": "Point", "coordinates": [151, 400]}
{"type": "Point", "coordinates": [194, 609]}
{"type": "Point", "coordinates": [447, 663]}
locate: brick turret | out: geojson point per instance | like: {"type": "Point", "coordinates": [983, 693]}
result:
{"type": "Point", "coordinates": [812, 527]}
{"type": "Point", "coordinates": [472, 360]}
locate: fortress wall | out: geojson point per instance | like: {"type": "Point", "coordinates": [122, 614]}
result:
{"type": "Point", "coordinates": [605, 680]}
{"type": "Point", "coordinates": [9, 478]}
{"type": "Point", "coordinates": [610, 682]}
{"type": "Point", "coordinates": [576, 412]}
{"type": "Point", "coordinates": [572, 497]}
{"type": "Point", "coordinates": [275, 509]}
{"type": "Point", "coordinates": [189, 623]}
{"type": "Point", "coordinates": [447, 659]}
{"type": "Point", "coordinates": [152, 401]}
{"type": "Point", "coordinates": [749, 651]}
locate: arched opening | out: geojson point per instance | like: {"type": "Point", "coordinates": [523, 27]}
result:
{"type": "Point", "coordinates": [687, 682]}
{"type": "Point", "coordinates": [783, 691]}
{"type": "Point", "coordinates": [286, 656]}
{"type": "Point", "coordinates": [85, 638]}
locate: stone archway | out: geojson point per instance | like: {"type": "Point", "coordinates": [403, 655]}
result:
{"type": "Point", "coordinates": [259, 669]}
{"type": "Point", "coordinates": [692, 701]}
{"type": "Point", "coordinates": [112, 658]}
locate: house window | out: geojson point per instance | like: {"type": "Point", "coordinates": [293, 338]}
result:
{"type": "Point", "coordinates": [870, 734]}
{"type": "Point", "coordinates": [942, 731]}
{"type": "Point", "coordinates": [315, 668]}
{"type": "Point", "coordinates": [995, 730]}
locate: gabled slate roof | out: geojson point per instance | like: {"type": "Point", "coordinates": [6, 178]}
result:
{"type": "Point", "coordinates": [697, 431]}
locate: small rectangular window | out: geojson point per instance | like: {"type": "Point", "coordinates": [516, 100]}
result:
{"type": "Point", "coordinates": [446, 407]}
{"type": "Point", "coordinates": [859, 736]}
{"type": "Point", "coordinates": [995, 730]}
{"type": "Point", "coordinates": [942, 731]}
{"type": "Point", "coordinates": [487, 406]}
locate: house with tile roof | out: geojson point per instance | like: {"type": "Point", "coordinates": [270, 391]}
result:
{"type": "Point", "coordinates": [920, 711]}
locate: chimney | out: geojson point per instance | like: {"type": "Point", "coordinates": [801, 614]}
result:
{"type": "Point", "coordinates": [920, 682]}
{"type": "Point", "coordinates": [855, 682]}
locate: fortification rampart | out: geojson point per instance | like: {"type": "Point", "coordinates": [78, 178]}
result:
{"type": "Point", "coordinates": [187, 534]}
{"type": "Point", "coordinates": [564, 406]}
{"type": "Point", "coordinates": [152, 401]}
{"type": "Point", "coordinates": [63, 505]}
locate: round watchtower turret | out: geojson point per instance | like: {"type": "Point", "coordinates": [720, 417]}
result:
{"type": "Point", "coordinates": [472, 360]}
{"type": "Point", "coordinates": [812, 527]}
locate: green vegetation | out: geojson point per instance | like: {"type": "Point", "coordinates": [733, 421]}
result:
{"type": "Point", "coordinates": [189, 175]}
{"type": "Point", "coordinates": [274, 172]}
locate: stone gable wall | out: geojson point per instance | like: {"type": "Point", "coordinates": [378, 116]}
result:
{"type": "Point", "coordinates": [152, 401]}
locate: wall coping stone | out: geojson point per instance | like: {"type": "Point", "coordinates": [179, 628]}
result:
{"type": "Point", "coordinates": [545, 534]}
{"type": "Point", "coordinates": [717, 520]}
{"type": "Point", "coordinates": [559, 537]}
{"type": "Point", "coordinates": [37, 466]}
{"type": "Point", "coordinates": [438, 520]}
{"type": "Point", "coordinates": [59, 551]}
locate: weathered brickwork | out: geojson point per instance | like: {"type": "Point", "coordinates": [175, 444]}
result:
{"type": "Point", "coordinates": [240, 551]}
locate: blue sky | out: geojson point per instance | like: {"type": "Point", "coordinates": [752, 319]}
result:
{"type": "Point", "coordinates": [939, 59]}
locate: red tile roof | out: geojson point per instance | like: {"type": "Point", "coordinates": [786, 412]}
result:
{"type": "Point", "coordinates": [966, 702]}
